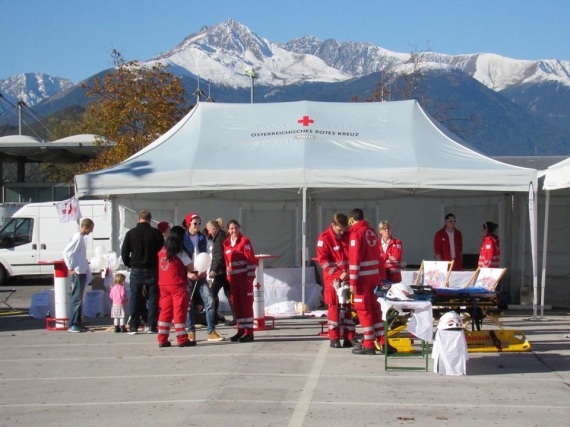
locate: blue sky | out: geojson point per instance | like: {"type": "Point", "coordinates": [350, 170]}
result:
{"type": "Point", "coordinates": [74, 38]}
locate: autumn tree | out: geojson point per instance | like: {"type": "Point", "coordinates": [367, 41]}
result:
{"type": "Point", "coordinates": [132, 106]}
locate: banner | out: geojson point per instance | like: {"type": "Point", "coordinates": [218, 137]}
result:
{"type": "Point", "coordinates": [68, 210]}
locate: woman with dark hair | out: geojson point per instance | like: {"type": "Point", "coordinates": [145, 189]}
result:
{"type": "Point", "coordinates": [174, 265]}
{"type": "Point", "coordinates": [490, 254]}
{"type": "Point", "coordinates": [240, 266]}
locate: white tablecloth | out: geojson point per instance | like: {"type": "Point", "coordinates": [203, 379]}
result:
{"type": "Point", "coordinates": [281, 284]}
{"type": "Point", "coordinates": [42, 303]}
{"type": "Point", "coordinates": [421, 321]}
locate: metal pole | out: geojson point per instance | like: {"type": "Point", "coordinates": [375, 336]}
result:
{"type": "Point", "coordinates": [304, 249]}
{"type": "Point", "coordinates": [544, 245]}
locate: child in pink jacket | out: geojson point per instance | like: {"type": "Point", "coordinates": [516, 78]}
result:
{"type": "Point", "coordinates": [118, 296]}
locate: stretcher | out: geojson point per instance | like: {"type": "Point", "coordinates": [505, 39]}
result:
{"type": "Point", "coordinates": [476, 303]}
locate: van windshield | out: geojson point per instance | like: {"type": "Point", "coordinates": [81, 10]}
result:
{"type": "Point", "coordinates": [16, 232]}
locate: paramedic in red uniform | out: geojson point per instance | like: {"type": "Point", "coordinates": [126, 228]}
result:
{"type": "Point", "coordinates": [490, 255]}
{"type": "Point", "coordinates": [448, 243]}
{"type": "Point", "coordinates": [174, 266]}
{"type": "Point", "coordinates": [366, 270]}
{"type": "Point", "coordinates": [391, 252]}
{"type": "Point", "coordinates": [240, 267]}
{"type": "Point", "coordinates": [332, 255]}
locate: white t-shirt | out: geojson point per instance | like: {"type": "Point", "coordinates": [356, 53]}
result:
{"type": "Point", "coordinates": [451, 237]}
{"type": "Point", "coordinates": [194, 239]}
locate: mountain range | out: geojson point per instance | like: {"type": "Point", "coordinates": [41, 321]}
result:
{"type": "Point", "coordinates": [500, 106]}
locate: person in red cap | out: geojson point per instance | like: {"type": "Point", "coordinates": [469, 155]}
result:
{"type": "Point", "coordinates": [164, 228]}
{"type": "Point", "coordinates": [195, 243]}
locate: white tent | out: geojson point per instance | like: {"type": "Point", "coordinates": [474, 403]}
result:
{"type": "Point", "coordinates": [304, 145]}
{"type": "Point", "coordinates": [269, 153]}
{"type": "Point", "coordinates": [556, 177]}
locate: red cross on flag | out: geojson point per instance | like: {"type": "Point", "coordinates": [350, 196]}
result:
{"type": "Point", "coordinates": [68, 210]}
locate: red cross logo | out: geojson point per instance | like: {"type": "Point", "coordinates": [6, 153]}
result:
{"type": "Point", "coordinates": [257, 286]}
{"type": "Point", "coordinates": [163, 263]}
{"type": "Point", "coordinates": [305, 121]}
{"type": "Point", "coordinates": [371, 237]}
{"type": "Point", "coordinates": [68, 209]}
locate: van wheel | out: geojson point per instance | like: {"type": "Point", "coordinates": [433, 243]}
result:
{"type": "Point", "coordinates": [3, 276]}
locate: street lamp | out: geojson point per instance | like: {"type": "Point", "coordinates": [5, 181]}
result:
{"type": "Point", "coordinates": [251, 74]}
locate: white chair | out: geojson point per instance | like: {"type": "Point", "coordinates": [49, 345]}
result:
{"type": "Point", "coordinates": [434, 273]}
{"type": "Point", "coordinates": [487, 278]}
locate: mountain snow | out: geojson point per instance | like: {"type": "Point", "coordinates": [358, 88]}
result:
{"type": "Point", "coordinates": [222, 53]}
{"type": "Point", "coordinates": [32, 87]}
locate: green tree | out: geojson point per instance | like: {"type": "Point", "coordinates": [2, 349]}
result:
{"type": "Point", "coordinates": [131, 107]}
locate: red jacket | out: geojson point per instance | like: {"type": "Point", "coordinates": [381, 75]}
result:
{"type": "Point", "coordinates": [365, 265]}
{"type": "Point", "coordinates": [332, 255]}
{"type": "Point", "coordinates": [240, 260]}
{"type": "Point", "coordinates": [170, 273]}
{"type": "Point", "coordinates": [441, 247]}
{"type": "Point", "coordinates": [392, 259]}
{"type": "Point", "coordinates": [490, 255]}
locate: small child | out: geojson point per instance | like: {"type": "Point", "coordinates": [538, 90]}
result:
{"type": "Point", "coordinates": [118, 296]}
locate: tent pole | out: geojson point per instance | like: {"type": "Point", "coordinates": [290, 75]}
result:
{"type": "Point", "coordinates": [534, 247]}
{"type": "Point", "coordinates": [544, 246]}
{"type": "Point", "coordinates": [304, 249]}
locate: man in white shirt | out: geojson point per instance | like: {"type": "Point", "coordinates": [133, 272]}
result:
{"type": "Point", "coordinates": [75, 257]}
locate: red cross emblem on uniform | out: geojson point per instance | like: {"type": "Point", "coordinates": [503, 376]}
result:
{"type": "Point", "coordinates": [163, 263]}
{"type": "Point", "coordinates": [257, 286]}
{"type": "Point", "coordinates": [371, 237]}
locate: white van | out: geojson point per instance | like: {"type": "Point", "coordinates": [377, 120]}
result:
{"type": "Point", "coordinates": [35, 235]}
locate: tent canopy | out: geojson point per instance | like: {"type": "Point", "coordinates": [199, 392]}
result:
{"type": "Point", "coordinates": [390, 145]}
{"type": "Point", "coordinates": [557, 176]}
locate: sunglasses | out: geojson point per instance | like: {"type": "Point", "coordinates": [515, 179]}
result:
{"type": "Point", "coordinates": [451, 220]}
{"type": "Point", "coordinates": [196, 223]}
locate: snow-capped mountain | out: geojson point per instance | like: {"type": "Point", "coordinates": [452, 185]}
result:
{"type": "Point", "coordinates": [494, 71]}
{"type": "Point", "coordinates": [32, 88]}
{"type": "Point", "coordinates": [522, 107]}
{"type": "Point", "coordinates": [223, 53]}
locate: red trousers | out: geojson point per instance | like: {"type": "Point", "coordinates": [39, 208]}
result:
{"type": "Point", "coordinates": [173, 304]}
{"type": "Point", "coordinates": [241, 295]}
{"type": "Point", "coordinates": [369, 314]}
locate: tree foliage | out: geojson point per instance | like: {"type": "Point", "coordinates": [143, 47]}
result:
{"type": "Point", "coordinates": [131, 107]}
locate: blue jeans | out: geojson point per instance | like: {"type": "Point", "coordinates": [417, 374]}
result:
{"type": "Point", "coordinates": [202, 286]}
{"type": "Point", "coordinates": [139, 278]}
{"type": "Point", "coordinates": [76, 299]}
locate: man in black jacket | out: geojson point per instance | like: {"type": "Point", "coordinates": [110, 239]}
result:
{"type": "Point", "coordinates": [140, 253]}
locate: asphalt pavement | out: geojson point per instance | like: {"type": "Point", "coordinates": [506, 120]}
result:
{"type": "Point", "coordinates": [288, 376]}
